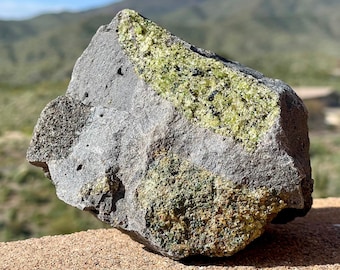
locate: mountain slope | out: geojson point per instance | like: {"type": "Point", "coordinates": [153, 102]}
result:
{"type": "Point", "coordinates": [262, 25]}
{"type": "Point", "coordinates": [288, 39]}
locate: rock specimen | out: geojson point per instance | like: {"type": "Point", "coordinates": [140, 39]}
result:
{"type": "Point", "coordinates": [185, 151]}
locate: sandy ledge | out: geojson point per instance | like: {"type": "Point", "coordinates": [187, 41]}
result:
{"type": "Point", "coordinates": [312, 242]}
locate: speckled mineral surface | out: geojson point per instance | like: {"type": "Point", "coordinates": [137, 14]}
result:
{"type": "Point", "coordinates": [185, 151]}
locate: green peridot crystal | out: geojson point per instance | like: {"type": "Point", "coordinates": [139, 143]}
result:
{"type": "Point", "coordinates": [188, 207]}
{"type": "Point", "coordinates": [206, 91]}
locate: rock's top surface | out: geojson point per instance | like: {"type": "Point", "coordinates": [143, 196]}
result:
{"type": "Point", "coordinates": [185, 151]}
{"type": "Point", "coordinates": [206, 91]}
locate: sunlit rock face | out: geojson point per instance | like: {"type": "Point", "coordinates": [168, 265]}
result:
{"type": "Point", "coordinates": [185, 151]}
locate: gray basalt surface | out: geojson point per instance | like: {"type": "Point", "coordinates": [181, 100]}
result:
{"type": "Point", "coordinates": [185, 151]}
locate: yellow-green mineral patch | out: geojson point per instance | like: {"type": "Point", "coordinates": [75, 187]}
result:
{"type": "Point", "coordinates": [191, 211]}
{"type": "Point", "coordinates": [206, 91]}
{"type": "Point", "coordinates": [98, 187]}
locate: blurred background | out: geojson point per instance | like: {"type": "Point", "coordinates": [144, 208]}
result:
{"type": "Point", "coordinates": [294, 40]}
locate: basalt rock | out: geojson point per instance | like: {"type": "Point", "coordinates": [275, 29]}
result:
{"type": "Point", "coordinates": [185, 151]}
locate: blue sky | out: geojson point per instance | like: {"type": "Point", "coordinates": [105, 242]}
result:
{"type": "Point", "coordinates": [23, 9]}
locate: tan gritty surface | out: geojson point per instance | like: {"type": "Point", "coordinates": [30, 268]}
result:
{"type": "Point", "coordinates": [312, 242]}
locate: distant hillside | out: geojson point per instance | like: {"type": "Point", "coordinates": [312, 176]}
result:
{"type": "Point", "coordinates": [295, 40]}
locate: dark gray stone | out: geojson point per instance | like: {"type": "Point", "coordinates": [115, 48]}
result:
{"type": "Point", "coordinates": [185, 151]}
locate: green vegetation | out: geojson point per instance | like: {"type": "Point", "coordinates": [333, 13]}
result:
{"type": "Point", "coordinates": [296, 41]}
{"type": "Point", "coordinates": [28, 204]}
{"type": "Point", "coordinates": [20, 106]}
{"type": "Point", "coordinates": [325, 160]}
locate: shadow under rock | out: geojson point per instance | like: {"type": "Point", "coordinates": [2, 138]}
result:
{"type": "Point", "coordinates": [312, 240]}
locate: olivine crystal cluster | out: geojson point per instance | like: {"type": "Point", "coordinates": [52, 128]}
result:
{"type": "Point", "coordinates": [185, 151]}
{"type": "Point", "coordinates": [203, 89]}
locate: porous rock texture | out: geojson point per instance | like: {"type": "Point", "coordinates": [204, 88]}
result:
{"type": "Point", "coordinates": [185, 151]}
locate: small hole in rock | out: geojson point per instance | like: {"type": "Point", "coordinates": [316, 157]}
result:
{"type": "Point", "coordinates": [86, 94]}
{"type": "Point", "coordinates": [101, 115]}
{"type": "Point", "coordinates": [79, 167]}
{"type": "Point", "coordinates": [119, 71]}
